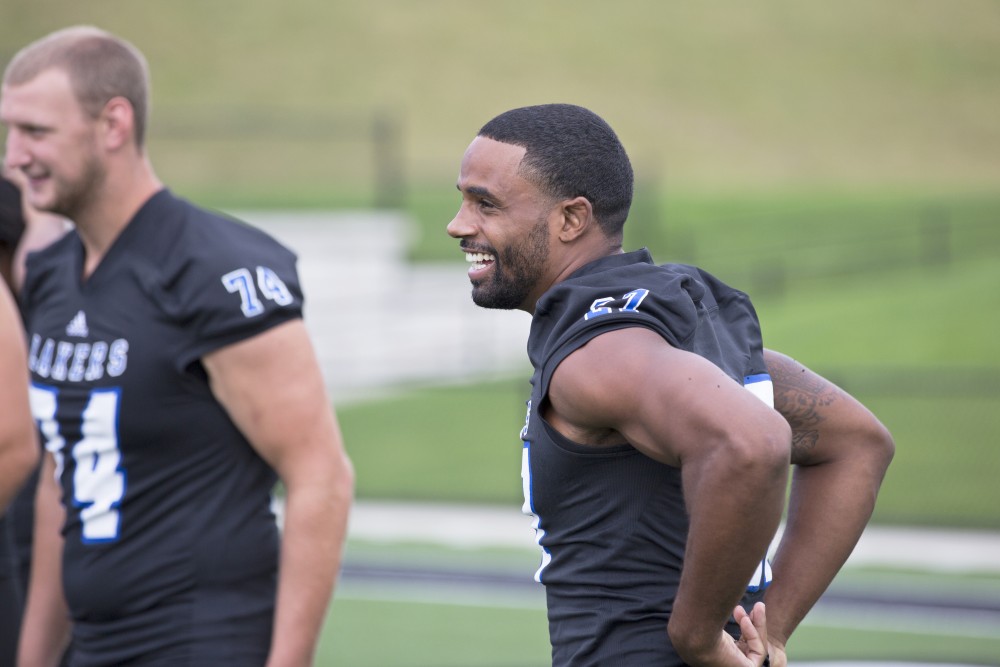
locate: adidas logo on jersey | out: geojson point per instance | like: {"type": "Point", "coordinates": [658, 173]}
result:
{"type": "Point", "coordinates": [78, 326]}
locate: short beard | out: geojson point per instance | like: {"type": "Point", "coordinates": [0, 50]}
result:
{"type": "Point", "coordinates": [515, 273]}
{"type": "Point", "coordinates": [77, 196]}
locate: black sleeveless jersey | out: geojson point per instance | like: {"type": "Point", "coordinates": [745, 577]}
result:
{"type": "Point", "coordinates": [171, 548]}
{"type": "Point", "coordinates": [611, 521]}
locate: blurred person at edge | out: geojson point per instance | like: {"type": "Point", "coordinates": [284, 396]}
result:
{"type": "Point", "coordinates": [19, 449]}
{"type": "Point", "coordinates": [22, 230]}
{"type": "Point", "coordinates": [655, 478]}
{"type": "Point", "coordinates": [174, 383]}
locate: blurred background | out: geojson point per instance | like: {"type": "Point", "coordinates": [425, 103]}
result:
{"type": "Point", "coordinates": [839, 161]}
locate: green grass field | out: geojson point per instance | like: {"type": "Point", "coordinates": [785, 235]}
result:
{"type": "Point", "coordinates": [466, 635]}
{"type": "Point", "coordinates": [427, 625]}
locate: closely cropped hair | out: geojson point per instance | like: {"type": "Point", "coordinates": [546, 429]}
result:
{"type": "Point", "coordinates": [100, 66]}
{"type": "Point", "coordinates": [571, 152]}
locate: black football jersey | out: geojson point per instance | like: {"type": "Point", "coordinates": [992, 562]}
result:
{"type": "Point", "coordinates": [171, 547]}
{"type": "Point", "coordinates": [611, 521]}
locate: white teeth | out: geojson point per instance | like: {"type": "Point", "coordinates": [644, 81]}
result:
{"type": "Point", "coordinates": [479, 258]}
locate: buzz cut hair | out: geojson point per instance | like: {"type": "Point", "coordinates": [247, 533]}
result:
{"type": "Point", "coordinates": [100, 66]}
{"type": "Point", "coordinates": [571, 152]}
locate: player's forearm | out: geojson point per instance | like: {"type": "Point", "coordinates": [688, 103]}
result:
{"type": "Point", "coordinates": [18, 443]}
{"type": "Point", "coordinates": [829, 508]}
{"type": "Point", "coordinates": [18, 457]}
{"type": "Point", "coordinates": [735, 504]}
{"type": "Point", "coordinates": [45, 634]}
{"type": "Point", "coordinates": [312, 541]}
{"type": "Point", "coordinates": [45, 629]}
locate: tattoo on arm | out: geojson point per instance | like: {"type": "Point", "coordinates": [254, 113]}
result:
{"type": "Point", "coordinates": [800, 396]}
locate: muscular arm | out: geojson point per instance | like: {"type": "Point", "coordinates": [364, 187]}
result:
{"type": "Point", "coordinates": [273, 390]}
{"type": "Point", "coordinates": [680, 409]}
{"type": "Point", "coordinates": [45, 629]}
{"type": "Point", "coordinates": [18, 445]}
{"type": "Point", "coordinates": [840, 452]}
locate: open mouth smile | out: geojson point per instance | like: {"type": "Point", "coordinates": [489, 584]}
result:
{"type": "Point", "coordinates": [479, 261]}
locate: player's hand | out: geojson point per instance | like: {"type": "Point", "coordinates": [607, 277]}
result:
{"type": "Point", "coordinates": [777, 652]}
{"type": "Point", "coordinates": [753, 634]}
{"type": "Point", "coordinates": [750, 650]}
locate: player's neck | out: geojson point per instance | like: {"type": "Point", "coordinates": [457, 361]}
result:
{"type": "Point", "coordinates": [572, 263]}
{"type": "Point", "coordinates": [110, 211]}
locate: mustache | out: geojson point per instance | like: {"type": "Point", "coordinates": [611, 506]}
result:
{"type": "Point", "coordinates": [472, 247]}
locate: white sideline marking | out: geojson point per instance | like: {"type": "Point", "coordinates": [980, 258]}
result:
{"type": "Point", "coordinates": [474, 526]}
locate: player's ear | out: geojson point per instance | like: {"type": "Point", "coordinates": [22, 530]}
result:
{"type": "Point", "coordinates": [577, 215]}
{"type": "Point", "coordinates": [117, 120]}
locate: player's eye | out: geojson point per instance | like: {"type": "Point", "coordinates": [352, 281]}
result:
{"type": "Point", "coordinates": [33, 131]}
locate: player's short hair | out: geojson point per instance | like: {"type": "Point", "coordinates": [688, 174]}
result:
{"type": "Point", "coordinates": [100, 66]}
{"type": "Point", "coordinates": [571, 152]}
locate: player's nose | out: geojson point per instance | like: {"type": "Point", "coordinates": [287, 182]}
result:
{"type": "Point", "coordinates": [461, 225]}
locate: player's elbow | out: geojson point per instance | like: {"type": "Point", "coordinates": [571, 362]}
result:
{"type": "Point", "coordinates": [767, 447]}
{"type": "Point", "coordinates": [775, 447]}
{"type": "Point", "coordinates": [345, 479]}
{"type": "Point", "coordinates": [758, 452]}
{"type": "Point", "coordinates": [336, 478]}
{"type": "Point", "coordinates": [878, 448]}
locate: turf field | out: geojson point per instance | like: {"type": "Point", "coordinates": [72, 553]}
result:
{"type": "Point", "coordinates": [434, 623]}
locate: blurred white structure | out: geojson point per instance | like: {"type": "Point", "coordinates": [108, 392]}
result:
{"type": "Point", "coordinates": [377, 320]}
